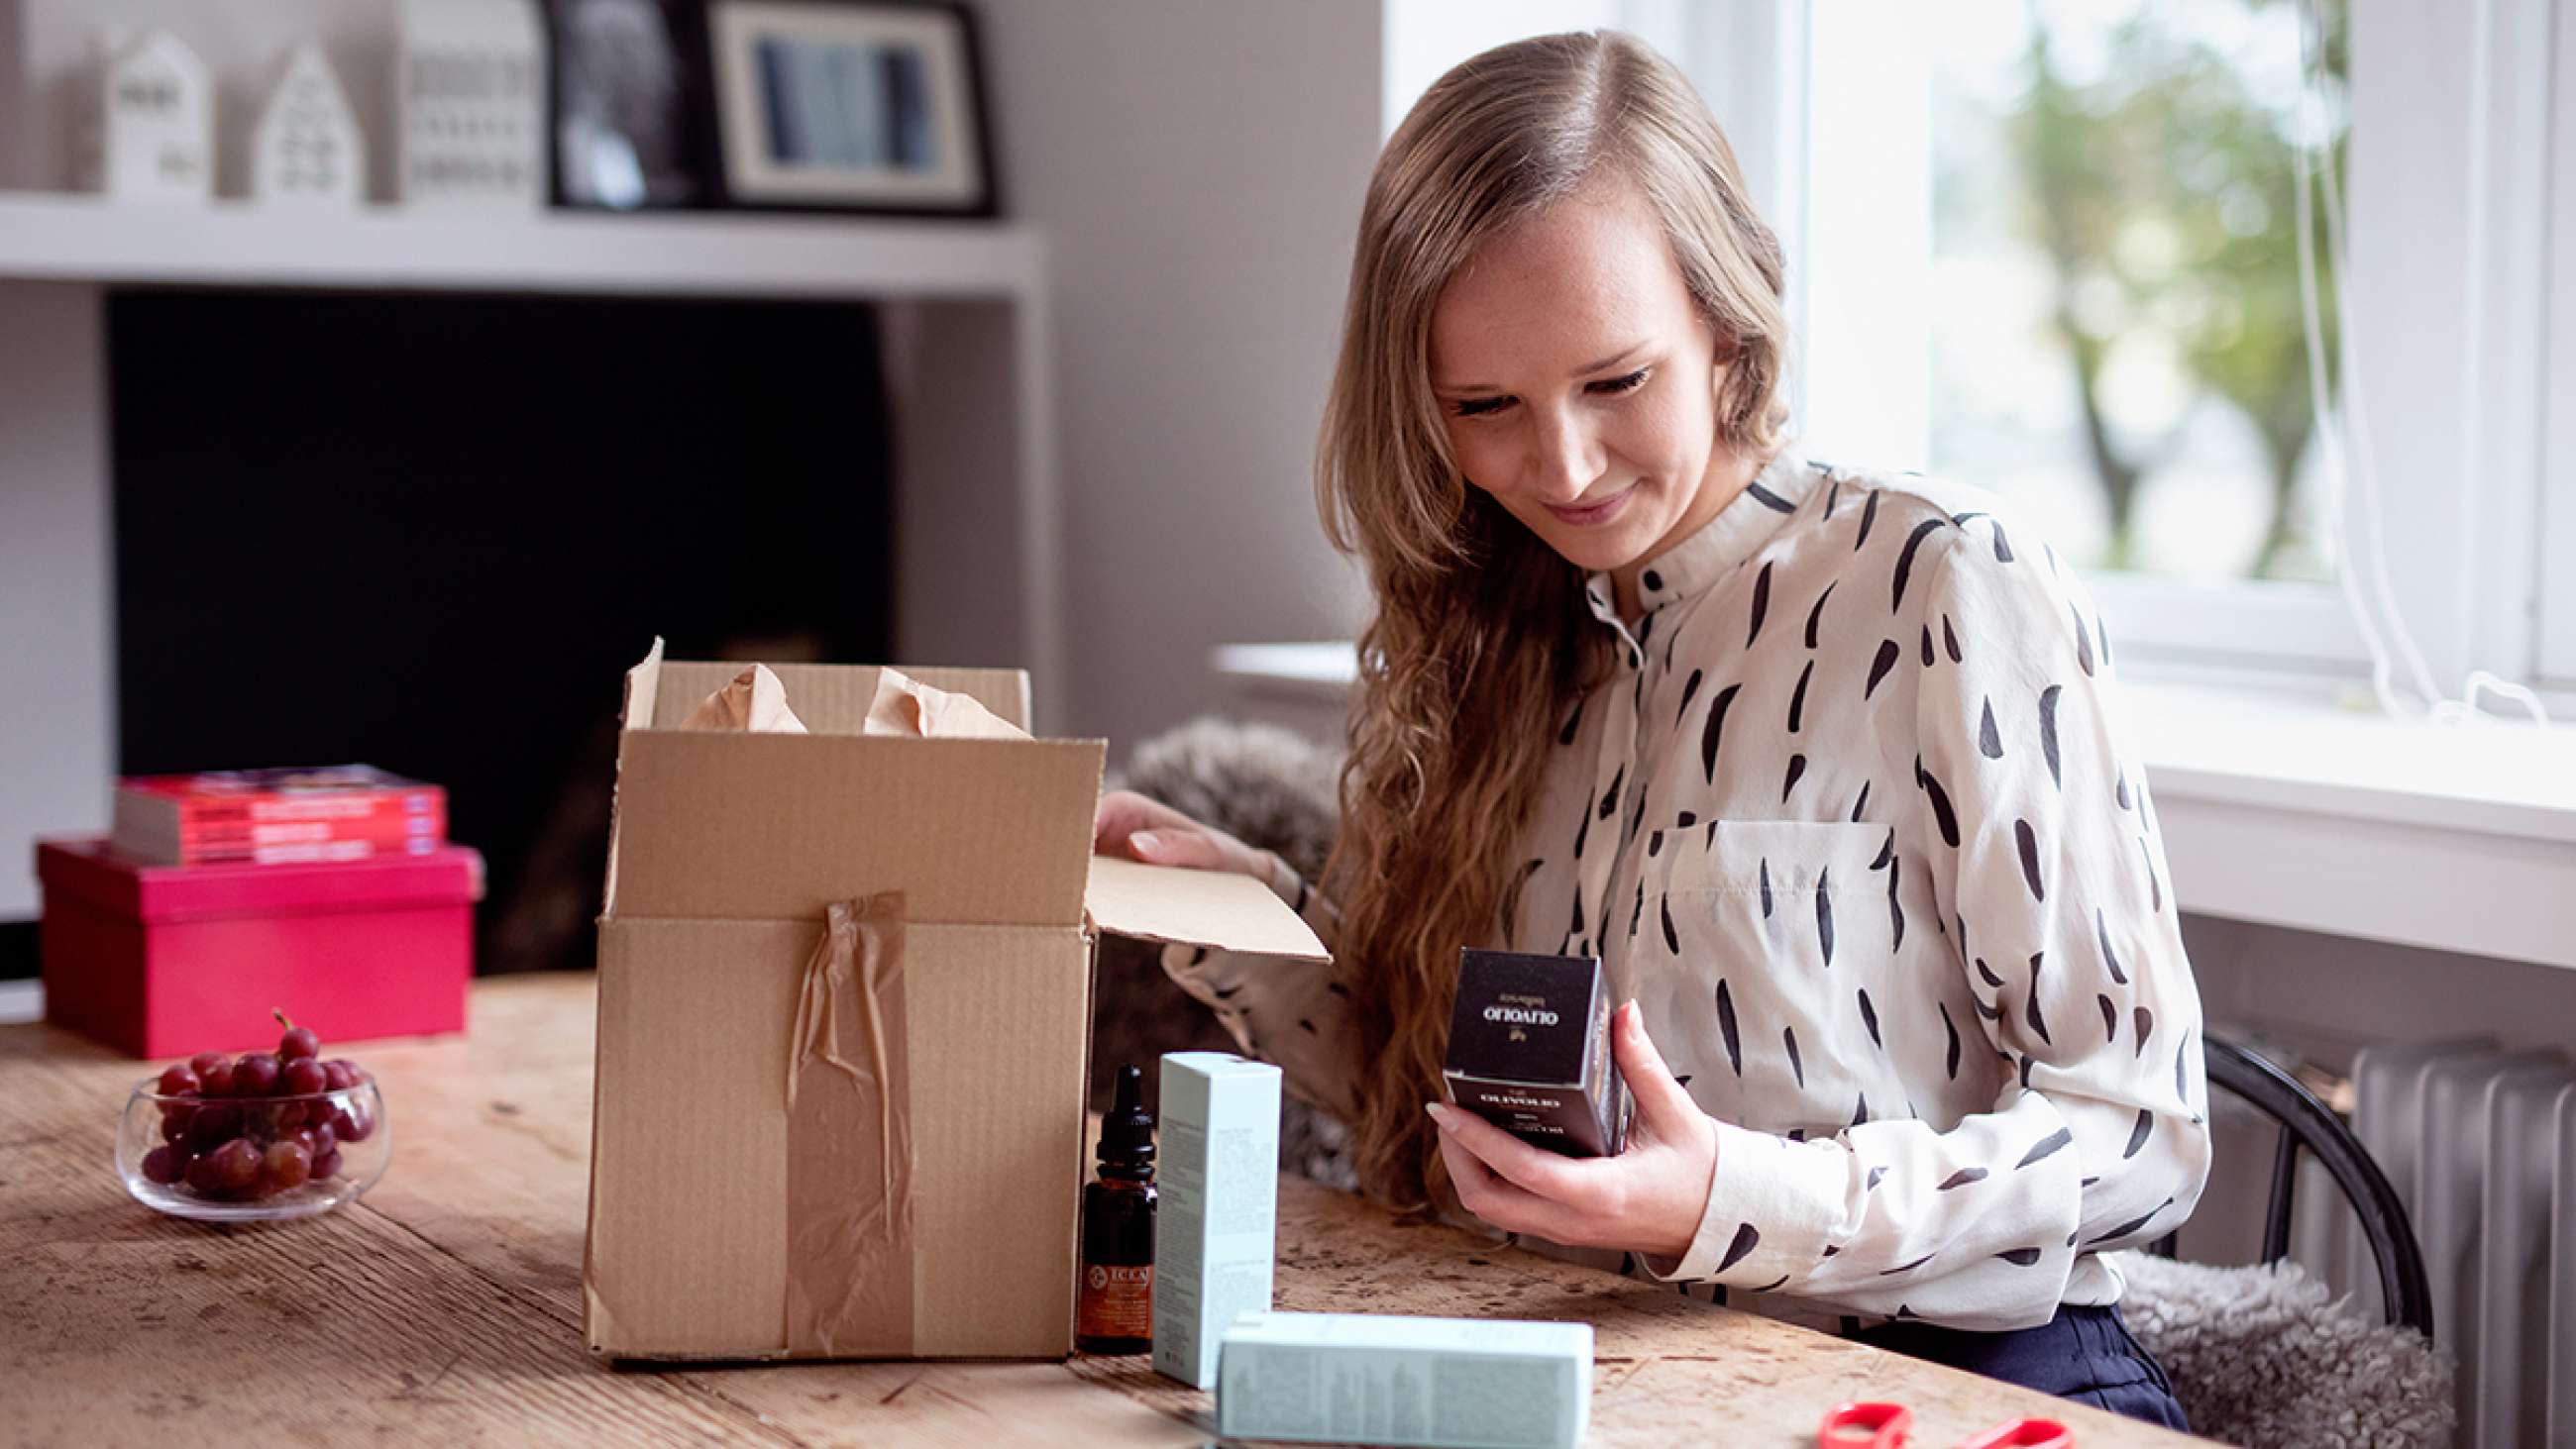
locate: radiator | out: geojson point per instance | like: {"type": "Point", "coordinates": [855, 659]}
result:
{"type": "Point", "coordinates": [2481, 1144]}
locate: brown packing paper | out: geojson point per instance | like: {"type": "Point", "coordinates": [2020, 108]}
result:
{"type": "Point", "coordinates": [754, 701]}
{"type": "Point", "coordinates": [849, 1138]}
{"type": "Point", "coordinates": [906, 706]}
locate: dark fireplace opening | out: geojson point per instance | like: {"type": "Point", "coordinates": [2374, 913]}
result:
{"type": "Point", "coordinates": [432, 532]}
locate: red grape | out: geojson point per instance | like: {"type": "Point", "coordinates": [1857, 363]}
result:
{"type": "Point", "coordinates": [299, 1044]}
{"type": "Point", "coordinates": [285, 1165]}
{"type": "Point", "coordinates": [303, 1077]}
{"type": "Point", "coordinates": [162, 1165]}
{"type": "Point", "coordinates": [338, 1076]}
{"type": "Point", "coordinates": [179, 1081]}
{"type": "Point", "coordinates": [236, 1164]}
{"type": "Point", "coordinates": [214, 1125]}
{"type": "Point", "coordinates": [217, 1077]}
{"type": "Point", "coordinates": [324, 1140]}
{"type": "Point", "coordinates": [255, 1075]}
{"type": "Point", "coordinates": [204, 1062]}
{"type": "Point", "coordinates": [326, 1165]}
{"type": "Point", "coordinates": [174, 1122]}
{"type": "Point", "coordinates": [354, 1123]}
{"type": "Point", "coordinates": [200, 1175]}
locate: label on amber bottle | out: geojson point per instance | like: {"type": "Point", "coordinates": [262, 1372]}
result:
{"type": "Point", "coordinates": [1117, 1301]}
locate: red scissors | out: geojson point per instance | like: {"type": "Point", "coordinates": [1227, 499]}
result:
{"type": "Point", "coordinates": [1884, 1426]}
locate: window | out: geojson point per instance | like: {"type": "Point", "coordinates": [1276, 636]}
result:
{"type": "Point", "coordinates": [2074, 226]}
{"type": "Point", "coordinates": [2049, 247]}
{"type": "Point", "coordinates": [2052, 250]}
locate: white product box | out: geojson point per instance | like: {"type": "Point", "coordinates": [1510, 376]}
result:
{"type": "Point", "coordinates": [1216, 1227]}
{"type": "Point", "coordinates": [1449, 1383]}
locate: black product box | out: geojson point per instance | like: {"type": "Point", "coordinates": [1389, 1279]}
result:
{"type": "Point", "coordinates": [1529, 1050]}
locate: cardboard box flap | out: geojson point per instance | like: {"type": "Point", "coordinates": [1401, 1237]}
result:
{"type": "Point", "coordinates": [724, 826]}
{"type": "Point", "coordinates": [1214, 908]}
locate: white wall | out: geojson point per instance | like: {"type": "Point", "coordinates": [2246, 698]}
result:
{"type": "Point", "coordinates": [2331, 995]}
{"type": "Point", "coordinates": [1198, 171]}
{"type": "Point", "coordinates": [56, 641]}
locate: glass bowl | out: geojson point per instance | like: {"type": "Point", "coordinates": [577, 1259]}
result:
{"type": "Point", "coordinates": [251, 1159]}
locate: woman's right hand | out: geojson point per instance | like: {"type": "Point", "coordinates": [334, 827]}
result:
{"type": "Point", "coordinates": [1133, 827]}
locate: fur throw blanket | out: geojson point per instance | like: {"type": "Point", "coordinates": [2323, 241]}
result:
{"type": "Point", "coordinates": [2259, 1357]}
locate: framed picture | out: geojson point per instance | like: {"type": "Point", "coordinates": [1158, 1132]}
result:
{"type": "Point", "coordinates": [633, 120]}
{"type": "Point", "coordinates": [850, 106]}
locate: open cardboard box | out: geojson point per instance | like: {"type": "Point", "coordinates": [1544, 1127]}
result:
{"type": "Point", "coordinates": [725, 852]}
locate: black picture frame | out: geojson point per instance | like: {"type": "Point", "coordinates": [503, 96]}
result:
{"type": "Point", "coordinates": [751, 44]}
{"type": "Point", "coordinates": [630, 113]}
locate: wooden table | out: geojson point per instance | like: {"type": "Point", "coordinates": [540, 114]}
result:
{"type": "Point", "coordinates": [445, 1308]}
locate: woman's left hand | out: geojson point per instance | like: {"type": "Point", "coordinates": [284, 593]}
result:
{"type": "Point", "coordinates": [1647, 1199]}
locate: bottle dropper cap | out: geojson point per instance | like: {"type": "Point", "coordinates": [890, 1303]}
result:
{"type": "Point", "coordinates": [1127, 1133]}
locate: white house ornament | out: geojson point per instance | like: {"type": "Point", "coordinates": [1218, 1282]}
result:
{"type": "Point", "coordinates": [306, 145]}
{"type": "Point", "coordinates": [471, 83]}
{"type": "Point", "coordinates": [149, 132]}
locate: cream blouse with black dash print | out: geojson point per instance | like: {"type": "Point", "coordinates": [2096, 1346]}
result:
{"type": "Point", "coordinates": [1854, 826]}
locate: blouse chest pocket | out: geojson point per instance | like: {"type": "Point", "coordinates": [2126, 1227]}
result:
{"type": "Point", "coordinates": [1735, 963]}
{"type": "Point", "coordinates": [1773, 894]}
{"type": "Point", "coordinates": [1778, 857]}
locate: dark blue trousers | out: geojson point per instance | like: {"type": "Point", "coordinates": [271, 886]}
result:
{"type": "Point", "coordinates": [2083, 1354]}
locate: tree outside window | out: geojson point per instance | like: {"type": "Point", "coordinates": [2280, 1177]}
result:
{"type": "Point", "coordinates": [2117, 334]}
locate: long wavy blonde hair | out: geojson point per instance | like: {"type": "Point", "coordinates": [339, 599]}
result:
{"type": "Point", "coordinates": [1477, 651]}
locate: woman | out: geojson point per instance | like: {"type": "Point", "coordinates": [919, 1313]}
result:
{"type": "Point", "coordinates": [1819, 763]}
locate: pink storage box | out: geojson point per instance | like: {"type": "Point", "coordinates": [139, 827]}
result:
{"type": "Point", "coordinates": [166, 961]}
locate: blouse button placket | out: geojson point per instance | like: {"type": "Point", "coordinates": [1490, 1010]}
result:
{"type": "Point", "coordinates": [1615, 766]}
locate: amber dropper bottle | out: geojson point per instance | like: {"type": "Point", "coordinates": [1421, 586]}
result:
{"type": "Point", "coordinates": [1117, 1297]}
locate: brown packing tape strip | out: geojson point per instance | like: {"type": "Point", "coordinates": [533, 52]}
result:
{"type": "Point", "coordinates": [849, 1142]}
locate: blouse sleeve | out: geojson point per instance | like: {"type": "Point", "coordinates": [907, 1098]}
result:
{"type": "Point", "coordinates": [2044, 855]}
{"type": "Point", "coordinates": [1293, 1014]}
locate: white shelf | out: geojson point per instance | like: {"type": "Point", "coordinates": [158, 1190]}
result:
{"type": "Point", "coordinates": [73, 238]}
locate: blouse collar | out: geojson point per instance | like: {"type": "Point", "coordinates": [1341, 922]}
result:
{"type": "Point", "coordinates": [1737, 532]}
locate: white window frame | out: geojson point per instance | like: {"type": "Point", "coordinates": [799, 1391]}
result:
{"type": "Point", "coordinates": [2555, 538]}
{"type": "Point", "coordinates": [2451, 183]}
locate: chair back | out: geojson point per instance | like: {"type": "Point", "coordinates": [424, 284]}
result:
{"type": "Point", "coordinates": [2308, 1123]}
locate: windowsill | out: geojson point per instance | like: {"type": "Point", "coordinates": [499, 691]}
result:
{"type": "Point", "coordinates": [2276, 807]}
{"type": "Point", "coordinates": [2305, 753]}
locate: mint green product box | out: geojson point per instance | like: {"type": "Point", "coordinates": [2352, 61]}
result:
{"type": "Point", "coordinates": [1216, 1227]}
{"type": "Point", "coordinates": [1443, 1383]}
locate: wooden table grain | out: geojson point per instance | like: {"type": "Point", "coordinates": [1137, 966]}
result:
{"type": "Point", "coordinates": [445, 1307]}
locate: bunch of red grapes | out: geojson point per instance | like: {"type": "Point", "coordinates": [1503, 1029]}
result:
{"type": "Point", "coordinates": [231, 1137]}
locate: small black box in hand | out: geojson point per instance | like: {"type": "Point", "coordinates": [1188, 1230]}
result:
{"type": "Point", "coordinates": [1529, 1050]}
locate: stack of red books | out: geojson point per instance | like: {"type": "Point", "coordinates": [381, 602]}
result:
{"type": "Point", "coordinates": [277, 817]}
